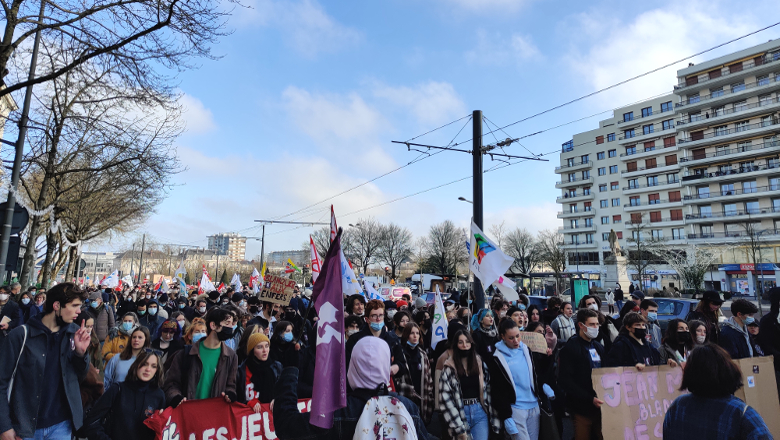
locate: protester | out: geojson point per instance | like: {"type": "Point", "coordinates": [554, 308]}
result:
{"type": "Point", "coordinates": [40, 301]}
{"type": "Point", "coordinates": [710, 411]}
{"type": "Point", "coordinates": [375, 326]}
{"type": "Point", "coordinates": [119, 337]}
{"type": "Point", "coordinates": [168, 341]}
{"type": "Point", "coordinates": [120, 413]}
{"type": "Point", "coordinates": [734, 336]}
{"type": "Point", "coordinates": [577, 359]}
{"type": "Point", "coordinates": [118, 366]}
{"type": "Point", "coordinates": [43, 400]}
{"type": "Point", "coordinates": [258, 374]}
{"type": "Point", "coordinates": [769, 333]}
{"type": "Point", "coordinates": [649, 309]}
{"type": "Point", "coordinates": [631, 348]}
{"type": "Point", "coordinates": [10, 313]}
{"type": "Point", "coordinates": [183, 307]}
{"type": "Point", "coordinates": [514, 384]}
{"type": "Point", "coordinates": [608, 330]}
{"type": "Point", "coordinates": [181, 320]}
{"type": "Point", "coordinates": [465, 392]}
{"type": "Point", "coordinates": [534, 315]}
{"type": "Point", "coordinates": [412, 373]}
{"type": "Point", "coordinates": [677, 342]}
{"type": "Point", "coordinates": [95, 356]}
{"type": "Point", "coordinates": [26, 305]}
{"type": "Point", "coordinates": [282, 339]}
{"type": "Point", "coordinates": [753, 328]}
{"type": "Point", "coordinates": [610, 297]}
{"type": "Point", "coordinates": [563, 325]}
{"type": "Point", "coordinates": [423, 319]}
{"type": "Point", "coordinates": [515, 314]}
{"type": "Point", "coordinates": [464, 314]}
{"type": "Point", "coordinates": [104, 316]}
{"type": "Point", "coordinates": [201, 308]}
{"type": "Point", "coordinates": [356, 305]}
{"type": "Point", "coordinates": [390, 310]}
{"type": "Point", "coordinates": [241, 351]}
{"type": "Point", "coordinates": [707, 312]}
{"type": "Point", "coordinates": [195, 333]}
{"type": "Point", "coordinates": [400, 320]}
{"type": "Point", "coordinates": [151, 319]}
{"type": "Point", "coordinates": [485, 333]}
{"type": "Point", "coordinates": [206, 368]}
{"type": "Point", "coordinates": [553, 309]}
{"type": "Point", "coordinates": [698, 332]}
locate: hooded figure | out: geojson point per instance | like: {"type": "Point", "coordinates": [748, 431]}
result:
{"type": "Point", "coordinates": [168, 340]}
{"type": "Point", "coordinates": [119, 336]}
{"type": "Point", "coordinates": [152, 319]}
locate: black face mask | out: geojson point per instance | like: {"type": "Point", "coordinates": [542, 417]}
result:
{"type": "Point", "coordinates": [640, 333]}
{"type": "Point", "coordinates": [60, 322]}
{"type": "Point", "coordinates": [684, 337]}
{"type": "Point", "coordinates": [225, 334]}
{"type": "Point", "coordinates": [465, 353]}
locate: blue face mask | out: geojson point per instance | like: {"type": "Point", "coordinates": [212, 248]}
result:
{"type": "Point", "coordinates": [95, 304]}
{"type": "Point", "coordinates": [25, 301]}
{"type": "Point", "coordinates": [197, 337]}
{"type": "Point", "coordinates": [376, 326]}
{"type": "Point", "coordinates": [652, 316]}
{"type": "Point", "coordinates": [287, 337]}
{"type": "Point", "coordinates": [127, 326]}
{"type": "Point", "coordinates": [410, 344]}
{"type": "Point", "coordinates": [521, 328]}
{"type": "Point", "coordinates": [142, 312]}
{"type": "Point", "coordinates": [181, 306]}
{"type": "Point", "coordinates": [749, 320]}
{"type": "Point", "coordinates": [521, 306]}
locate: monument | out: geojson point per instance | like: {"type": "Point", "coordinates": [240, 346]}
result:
{"type": "Point", "coordinates": [616, 265]}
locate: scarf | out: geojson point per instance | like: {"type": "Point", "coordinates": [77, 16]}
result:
{"type": "Point", "coordinates": [263, 377]}
{"type": "Point", "coordinates": [492, 332]}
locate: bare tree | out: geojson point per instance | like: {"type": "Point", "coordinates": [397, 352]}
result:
{"type": "Point", "coordinates": [395, 246]}
{"type": "Point", "coordinates": [498, 232]}
{"type": "Point", "coordinates": [364, 241]}
{"type": "Point", "coordinates": [552, 252]}
{"type": "Point", "coordinates": [523, 247]}
{"type": "Point", "coordinates": [642, 257]}
{"type": "Point", "coordinates": [321, 239]}
{"type": "Point", "coordinates": [445, 248]}
{"type": "Point", "coordinates": [690, 263]}
{"type": "Point", "coordinates": [754, 242]}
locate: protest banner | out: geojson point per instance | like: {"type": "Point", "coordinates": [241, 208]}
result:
{"type": "Point", "coordinates": [635, 402]}
{"type": "Point", "coordinates": [534, 341]}
{"type": "Point", "coordinates": [216, 419]}
{"type": "Point", "coordinates": [277, 290]}
{"type": "Point", "coordinates": [759, 390]}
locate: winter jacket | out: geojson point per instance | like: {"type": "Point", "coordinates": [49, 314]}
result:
{"type": "Point", "coordinates": [366, 331]}
{"type": "Point", "coordinates": [115, 342]}
{"type": "Point", "coordinates": [769, 337]}
{"type": "Point", "coordinates": [504, 389]}
{"type": "Point", "coordinates": [290, 424]}
{"type": "Point", "coordinates": [124, 406]}
{"type": "Point", "coordinates": [713, 331]}
{"type": "Point", "coordinates": [563, 328]}
{"type": "Point", "coordinates": [735, 340]}
{"type": "Point", "coordinates": [151, 322]}
{"type": "Point", "coordinates": [627, 352]}
{"type": "Point", "coordinates": [12, 310]}
{"type": "Point", "coordinates": [667, 352]}
{"type": "Point", "coordinates": [405, 386]}
{"type": "Point", "coordinates": [246, 387]}
{"type": "Point", "coordinates": [722, 418]}
{"type": "Point", "coordinates": [486, 343]}
{"type": "Point", "coordinates": [177, 387]}
{"type": "Point", "coordinates": [451, 402]}
{"type": "Point", "coordinates": [104, 321]}
{"type": "Point", "coordinates": [20, 412]}
{"type": "Point", "coordinates": [574, 375]}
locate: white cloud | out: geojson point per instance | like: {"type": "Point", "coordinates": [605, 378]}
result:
{"type": "Point", "coordinates": [430, 103]}
{"type": "Point", "coordinates": [535, 218]}
{"type": "Point", "coordinates": [197, 117]}
{"type": "Point", "coordinates": [303, 24]}
{"type": "Point", "coordinates": [495, 49]}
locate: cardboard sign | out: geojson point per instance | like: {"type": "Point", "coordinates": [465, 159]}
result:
{"type": "Point", "coordinates": [534, 341]}
{"type": "Point", "coordinates": [759, 390]}
{"type": "Point", "coordinates": [277, 290]}
{"type": "Point", "coordinates": [635, 402]}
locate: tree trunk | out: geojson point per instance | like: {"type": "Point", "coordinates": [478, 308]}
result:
{"type": "Point", "coordinates": [70, 272]}
{"type": "Point", "coordinates": [28, 263]}
{"type": "Point", "coordinates": [46, 268]}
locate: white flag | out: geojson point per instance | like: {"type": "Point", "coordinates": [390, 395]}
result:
{"type": "Point", "coordinates": [316, 264]}
{"type": "Point", "coordinates": [349, 282]}
{"type": "Point", "coordinates": [206, 285]}
{"type": "Point", "coordinates": [371, 293]}
{"type": "Point", "coordinates": [486, 260]}
{"type": "Point", "coordinates": [508, 293]}
{"type": "Point", "coordinates": [439, 321]}
{"type": "Point", "coordinates": [236, 282]}
{"type": "Point", "coordinates": [164, 287]}
{"type": "Point", "coordinates": [112, 280]}
{"type": "Point", "coordinates": [181, 272]}
{"type": "Point", "coordinates": [255, 281]}
{"type": "Point", "coordinates": [128, 279]}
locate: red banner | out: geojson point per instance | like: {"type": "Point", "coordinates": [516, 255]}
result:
{"type": "Point", "coordinates": [215, 419]}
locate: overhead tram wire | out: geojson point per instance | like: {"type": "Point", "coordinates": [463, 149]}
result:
{"type": "Point", "coordinates": [634, 78]}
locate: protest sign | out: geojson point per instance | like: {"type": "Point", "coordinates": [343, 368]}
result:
{"type": "Point", "coordinates": [534, 341]}
{"type": "Point", "coordinates": [215, 419]}
{"type": "Point", "coordinates": [759, 390]}
{"type": "Point", "coordinates": [635, 402]}
{"type": "Point", "coordinates": [277, 290]}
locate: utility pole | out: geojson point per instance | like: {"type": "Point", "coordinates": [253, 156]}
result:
{"type": "Point", "coordinates": [262, 251]}
{"type": "Point", "coordinates": [5, 236]}
{"type": "Point", "coordinates": [132, 262]}
{"type": "Point", "coordinates": [94, 273]}
{"type": "Point", "coordinates": [141, 260]}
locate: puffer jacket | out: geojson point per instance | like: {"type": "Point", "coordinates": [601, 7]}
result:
{"type": "Point", "coordinates": [115, 342]}
{"type": "Point", "coordinates": [104, 321]}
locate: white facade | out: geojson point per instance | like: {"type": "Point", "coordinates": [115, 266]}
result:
{"type": "Point", "coordinates": [228, 243]}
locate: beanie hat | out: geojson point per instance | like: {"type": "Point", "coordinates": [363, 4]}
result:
{"type": "Point", "coordinates": [401, 303]}
{"type": "Point", "coordinates": [94, 296]}
{"type": "Point", "coordinates": [255, 339]}
{"type": "Point", "coordinates": [419, 303]}
{"type": "Point", "coordinates": [237, 297]}
{"type": "Point", "coordinates": [213, 295]}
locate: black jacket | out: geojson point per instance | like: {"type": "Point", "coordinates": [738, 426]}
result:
{"type": "Point", "coordinates": [574, 375]}
{"type": "Point", "coordinates": [734, 342]}
{"type": "Point", "coordinates": [769, 337]}
{"type": "Point", "coordinates": [12, 310]}
{"type": "Point", "coordinates": [486, 345]}
{"type": "Point", "coordinates": [502, 392]}
{"type": "Point", "coordinates": [119, 414]}
{"type": "Point", "coordinates": [627, 352]}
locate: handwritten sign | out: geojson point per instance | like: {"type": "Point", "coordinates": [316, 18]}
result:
{"type": "Point", "coordinates": [277, 290]}
{"type": "Point", "coordinates": [534, 341]}
{"type": "Point", "coordinates": [635, 402]}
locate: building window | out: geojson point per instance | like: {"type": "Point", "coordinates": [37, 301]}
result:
{"type": "Point", "coordinates": [587, 206]}
{"type": "Point", "coordinates": [716, 92]}
{"type": "Point", "coordinates": [588, 222]}
{"type": "Point", "coordinates": [570, 162]}
{"type": "Point", "coordinates": [676, 214]}
{"type": "Point", "coordinates": [721, 130]}
{"type": "Point", "coordinates": [740, 105]}
{"type": "Point", "coordinates": [628, 116]}
{"type": "Point", "coordinates": [764, 100]}
{"type": "Point", "coordinates": [615, 202]}
{"type": "Point", "coordinates": [604, 236]}
{"type": "Point", "coordinates": [669, 142]}
{"type": "Point", "coordinates": [611, 137]}
{"type": "Point", "coordinates": [631, 149]}
{"type": "Point", "coordinates": [738, 87]}
{"type": "Point", "coordinates": [572, 177]}
{"type": "Point", "coordinates": [666, 106]}
{"type": "Point", "coordinates": [647, 111]}
{"type": "Point", "coordinates": [633, 183]}
{"type": "Point", "coordinates": [628, 134]}
{"type": "Point", "coordinates": [652, 181]}
{"type": "Point", "coordinates": [752, 207]}
{"type": "Point", "coordinates": [674, 196]}
{"type": "Point", "coordinates": [653, 199]}
{"type": "Point", "coordinates": [762, 80]}
{"type": "Point", "coordinates": [655, 216]}
{"type": "Point", "coordinates": [586, 191]}
{"type": "Point", "coordinates": [774, 183]}
{"type": "Point", "coordinates": [634, 201]}
{"type": "Point", "coordinates": [658, 234]}
{"type": "Point", "coordinates": [616, 219]}
{"type": "Point", "coordinates": [600, 155]}
{"type": "Point", "coordinates": [599, 140]}
{"type": "Point", "coordinates": [693, 98]}
{"type": "Point", "coordinates": [604, 203]}
{"type": "Point", "coordinates": [612, 153]}
{"type": "Point", "coordinates": [585, 158]}
{"type": "Point", "coordinates": [574, 224]}
{"type": "Point", "coordinates": [749, 187]}
{"type": "Point", "coordinates": [736, 67]}
{"type": "Point", "coordinates": [631, 166]}
{"type": "Point", "coordinates": [603, 171]}
{"type": "Point", "coordinates": [620, 234]}
{"type": "Point", "coordinates": [649, 146]}
{"type": "Point", "coordinates": [729, 209]}
{"type": "Point", "coordinates": [614, 186]}
{"type": "Point", "coordinates": [613, 169]}
{"type": "Point", "coordinates": [573, 208]}
{"type": "Point", "coordinates": [667, 124]}
{"type": "Point", "coordinates": [678, 234]}
{"type": "Point", "coordinates": [670, 159]}
{"type": "Point", "coordinates": [586, 174]}
{"type": "Point", "coordinates": [603, 187]}
{"type": "Point", "coordinates": [636, 219]}
{"type": "Point", "coordinates": [650, 163]}
{"type": "Point", "coordinates": [589, 238]}
{"type": "Point", "coordinates": [604, 220]}
{"type": "Point", "coordinates": [741, 126]}
{"type": "Point", "coordinates": [647, 129]}
{"type": "Point", "coordinates": [568, 146]}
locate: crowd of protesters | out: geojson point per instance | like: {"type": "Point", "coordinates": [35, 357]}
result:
{"type": "Point", "coordinates": [93, 363]}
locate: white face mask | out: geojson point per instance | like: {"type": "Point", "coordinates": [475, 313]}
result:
{"type": "Point", "coordinates": [700, 339]}
{"type": "Point", "coordinates": [3, 297]}
{"type": "Point", "coordinates": [202, 309]}
{"type": "Point", "coordinates": [594, 307]}
{"type": "Point", "coordinates": [592, 333]}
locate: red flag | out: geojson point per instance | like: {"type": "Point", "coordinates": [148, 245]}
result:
{"type": "Point", "coordinates": [316, 264]}
{"type": "Point", "coordinates": [158, 286]}
{"type": "Point", "coordinates": [333, 226]}
{"type": "Point", "coordinates": [221, 286]}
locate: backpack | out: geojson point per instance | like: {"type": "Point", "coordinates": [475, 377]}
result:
{"type": "Point", "coordinates": [385, 418]}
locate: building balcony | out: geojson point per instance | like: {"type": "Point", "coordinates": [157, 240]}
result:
{"type": "Point", "coordinates": [663, 186]}
{"type": "Point", "coordinates": [651, 205]}
{"type": "Point", "coordinates": [658, 132]}
{"type": "Point", "coordinates": [662, 222]}
{"type": "Point", "coordinates": [575, 182]}
{"type": "Point", "coordinates": [640, 171]}
{"type": "Point", "coordinates": [736, 236]}
{"type": "Point", "coordinates": [640, 154]}
{"type": "Point", "coordinates": [577, 246]}
{"type": "Point", "coordinates": [749, 68]}
{"type": "Point", "coordinates": [731, 154]}
{"type": "Point", "coordinates": [710, 117]}
{"type": "Point", "coordinates": [738, 173]}
{"type": "Point", "coordinates": [579, 197]}
{"type": "Point", "coordinates": [644, 120]}
{"type": "Point", "coordinates": [577, 229]}
{"type": "Point", "coordinates": [733, 216]}
{"type": "Point", "coordinates": [729, 94]}
{"type": "Point", "coordinates": [575, 214]}
{"type": "Point", "coordinates": [730, 134]}
{"type": "Point", "coordinates": [574, 167]}
{"type": "Point", "coordinates": [734, 194]}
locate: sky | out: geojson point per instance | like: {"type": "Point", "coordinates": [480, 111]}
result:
{"type": "Point", "coordinates": [307, 97]}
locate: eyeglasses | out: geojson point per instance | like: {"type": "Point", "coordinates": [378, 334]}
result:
{"type": "Point", "coordinates": [168, 331]}
{"type": "Point", "coordinates": [153, 351]}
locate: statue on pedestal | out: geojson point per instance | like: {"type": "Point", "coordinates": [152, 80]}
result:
{"type": "Point", "coordinates": [614, 244]}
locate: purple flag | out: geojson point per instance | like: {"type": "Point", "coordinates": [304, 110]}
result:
{"type": "Point", "coordinates": [330, 388]}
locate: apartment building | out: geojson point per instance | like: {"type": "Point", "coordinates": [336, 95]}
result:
{"type": "Point", "coordinates": [700, 165]}
{"type": "Point", "coordinates": [231, 244]}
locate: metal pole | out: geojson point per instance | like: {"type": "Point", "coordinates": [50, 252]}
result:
{"type": "Point", "coordinates": [132, 261]}
{"type": "Point", "coordinates": [5, 236]}
{"type": "Point", "coordinates": [94, 273]}
{"type": "Point", "coordinates": [141, 259]}
{"type": "Point", "coordinates": [262, 251]}
{"type": "Point", "coordinates": [476, 154]}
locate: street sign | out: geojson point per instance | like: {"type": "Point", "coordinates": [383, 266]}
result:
{"type": "Point", "coordinates": [82, 263]}
{"type": "Point", "coordinates": [21, 217]}
{"type": "Point", "coordinates": [12, 261]}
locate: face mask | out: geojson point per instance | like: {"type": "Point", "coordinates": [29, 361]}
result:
{"type": "Point", "coordinates": [592, 332]}
{"type": "Point", "coordinates": [287, 337]}
{"type": "Point", "coordinates": [181, 324]}
{"type": "Point", "coordinates": [224, 303]}
{"type": "Point", "coordinates": [652, 316]}
{"type": "Point", "coordinates": [700, 339]}
{"type": "Point", "coordinates": [152, 310]}
{"type": "Point", "coordinates": [197, 337]}
{"type": "Point", "coordinates": [376, 326]}
{"type": "Point", "coordinates": [225, 334]}
{"type": "Point", "coordinates": [521, 328]}
{"type": "Point", "coordinates": [181, 306]}
{"type": "Point", "coordinates": [94, 304]}
{"type": "Point", "coordinates": [3, 297]}
{"type": "Point", "coordinates": [469, 302]}
{"type": "Point", "coordinates": [464, 353]}
{"type": "Point", "coordinates": [449, 308]}
{"type": "Point", "coordinates": [127, 326]}
{"type": "Point", "coordinates": [640, 333]}
{"type": "Point", "coordinates": [142, 312]}
{"type": "Point", "coordinates": [594, 307]}
{"type": "Point", "coordinates": [391, 313]}
{"type": "Point", "coordinates": [521, 307]}
{"type": "Point", "coordinates": [26, 301]}
{"type": "Point", "coordinates": [242, 304]}
{"type": "Point", "coordinates": [749, 320]}
{"type": "Point", "coordinates": [351, 331]}
{"type": "Point", "coordinates": [501, 314]}
{"type": "Point", "coordinates": [202, 309]}
{"type": "Point", "coordinates": [409, 343]}
{"type": "Point", "coordinates": [684, 337]}
{"type": "Point", "coordinates": [148, 296]}
{"type": "Point", "coordinates": [359, 314]}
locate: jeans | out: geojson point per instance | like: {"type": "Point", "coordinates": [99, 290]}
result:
{"type": "Point", "coordinates": [527, 423]}
{"type": "Point", "coordinates": [477, 420]}
{"type": "Point", "coordinates": [60, 431]}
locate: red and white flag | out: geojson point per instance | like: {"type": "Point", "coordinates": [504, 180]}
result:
{"type": "Point", "coordinates": [316, 264]}
{"type": "Point", "coordinates": [221, 287]}
{"type": "Point", "coordinates": [205, 282]}
{"type": "Point", "coordinates": [255, 281]}
{"type": "Point", "coordinates": [158, 286]}
{"type": "Point", "coordinates": [333, 226]}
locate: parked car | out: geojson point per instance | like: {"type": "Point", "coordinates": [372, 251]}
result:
{"type": "Point", "coordinates": [431, 296]}
{"type": "Point", "coordinates": [538, 301]}
{"type": "Point", "coordinates": [673, 308]}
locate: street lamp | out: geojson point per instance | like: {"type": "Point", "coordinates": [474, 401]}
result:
{"type": "Point", "coordinates": [463, 199]}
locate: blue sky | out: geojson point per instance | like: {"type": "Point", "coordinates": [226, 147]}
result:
{"type": "Point", "coordinates": [307, 97]}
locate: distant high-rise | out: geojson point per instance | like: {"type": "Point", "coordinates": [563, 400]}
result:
{"type": "Point", "coordinates": [230, 244]}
